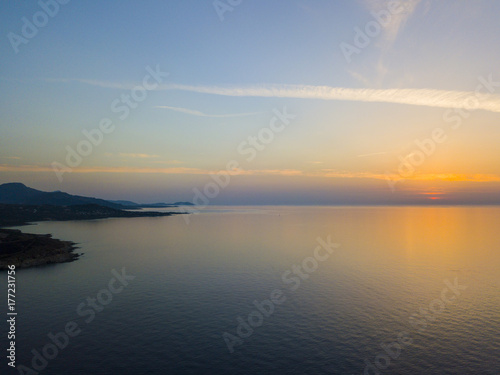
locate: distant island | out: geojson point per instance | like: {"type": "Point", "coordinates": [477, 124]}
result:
{"type": "Point", "coordinates": [21, 205]}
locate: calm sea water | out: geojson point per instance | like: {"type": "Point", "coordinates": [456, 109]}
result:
{"type": "Point", "coordinates": [428, 277]}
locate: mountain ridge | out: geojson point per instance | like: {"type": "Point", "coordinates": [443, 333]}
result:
{"type": "Point", "coordinates": [18, 193]}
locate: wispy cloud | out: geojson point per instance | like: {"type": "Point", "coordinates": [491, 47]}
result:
{"type": "Point", "coordinates": [93, 82]}
{"type": "Point", "coordinates": [130, 155]}
{"type": "Point", "coordinates": [373, 154]}
{"type": "Point", "coordinates": [98, 169]}
{"type": "Point", "coordinates": [396, 22]}
{"type": "Point", "coordinates": [167, 162]}
{"type": "Point", "coordinates": [391, 26]}
{"type": "Point", "coordinates": [201, 114]}
{"type": "Point", "coordinates": [359, 77]}
{"type": "Point", "coordinates": [324, 173]}
{"type": "Point", "coordinates": [140, 156]}
{"type": "Point", "coordinates": [418, 97]}
{"type": "Point", "coordinates": [171, 170]}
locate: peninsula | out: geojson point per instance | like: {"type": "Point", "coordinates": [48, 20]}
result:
{"type": "Point", "coordinates": [21, 205]}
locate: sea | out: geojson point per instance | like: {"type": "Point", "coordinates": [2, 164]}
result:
{"type": "Point", "coordinates": [265, 290]}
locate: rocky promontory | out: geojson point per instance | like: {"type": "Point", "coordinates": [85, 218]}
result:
{"type": "Point", "coordinates": [27, 250]}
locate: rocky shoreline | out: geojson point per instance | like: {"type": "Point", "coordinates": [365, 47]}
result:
{"type": "Point", "coordinates": [29, 250]}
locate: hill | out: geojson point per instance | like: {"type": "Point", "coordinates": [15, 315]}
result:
{"type": "Point", "coordinates": [18, 193]}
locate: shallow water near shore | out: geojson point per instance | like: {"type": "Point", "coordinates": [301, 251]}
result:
{"type": "Point", "coordinates": [425, 274]}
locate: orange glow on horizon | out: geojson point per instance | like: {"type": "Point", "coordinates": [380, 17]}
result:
{"type": "Point", "coordinates": [325, 173]}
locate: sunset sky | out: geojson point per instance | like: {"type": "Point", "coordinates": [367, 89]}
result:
{"type": "Point", "coordinates": [384, 104]}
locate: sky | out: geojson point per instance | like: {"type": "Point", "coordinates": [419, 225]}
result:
{"type": "Point", "coordinates": [253, 102]}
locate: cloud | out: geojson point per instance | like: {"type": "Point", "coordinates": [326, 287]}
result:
{"type": "Point", "coordinates": [93, 82]}
{"type": "Point", "coordinates": [98, 169]}
{"type": "Point", "coordinates": [418, 97]}
{"type": "Point", "coordinates": [396, 23]}
{"type": "Point", "coordinates": [468, 100]}
{"type": "Point", "coordinates": [391, 25]}
{"type": "Point", "coordinates": [167, 162]}
{"type": "Point", "coordinates": [323, 173]}
{"type": "Point", "coordinates": [130, 155]}
{"type": "Point", "coordinates": [359, 77]}
{"type": "Point", "coordinates": [373, 154]}
{"type": "Point", "coordinates": [201, 114]}
{"type": "Point", "coordinates": [140, 156]}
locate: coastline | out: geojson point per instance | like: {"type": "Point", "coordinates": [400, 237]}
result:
{"type": "Point", "coordinates": [26, 250]}
{"type": "Point", "coordinates": [30, 250]}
